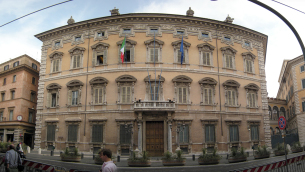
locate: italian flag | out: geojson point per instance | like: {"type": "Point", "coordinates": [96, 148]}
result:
{"type": "Point", "coordinates": [123, 50]}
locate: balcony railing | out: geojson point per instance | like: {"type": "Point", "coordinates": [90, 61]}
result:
{"type": "Point", "coordinates": [154, 105]}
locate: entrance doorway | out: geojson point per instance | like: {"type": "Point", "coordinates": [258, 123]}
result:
{"type": "Point", "coordinates": [155, 138]}
{"type": "Point", "coordinates": [10, 137]}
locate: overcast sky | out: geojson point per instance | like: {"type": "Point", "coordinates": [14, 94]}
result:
{"type": "Point", "coordinates": [18, 38]}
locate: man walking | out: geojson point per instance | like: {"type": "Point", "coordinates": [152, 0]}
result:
{"type": "Point", "coordinates": [12, 159]}
{"type": "Point", "coordinates": [108, 165]}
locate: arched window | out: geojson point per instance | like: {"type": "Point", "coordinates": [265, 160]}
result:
{"type": "Point", "coordinates": [275, 113]}
{"type": "Point", "coordinates": [282, 112]}
{"type": "Point", "coordinates": [231, 92]}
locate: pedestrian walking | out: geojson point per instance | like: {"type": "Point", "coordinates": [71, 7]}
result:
{"type": "Point", "coordinates": [12, 159]}
{"type": "Point", "coordinates": [108, 165]}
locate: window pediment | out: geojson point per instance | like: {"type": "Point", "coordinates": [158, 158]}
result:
{"type": "Point", "coordinates": [228, 50]}
{"type": "Point", "coordinates": [77, 50]}
{"type": "Point", "coordinates": [56, 54]}
{"type": "Point", "coordinates": [231, 83]}
{"type": "Point", "coordinates": [53, 86]}
{"type": "Point", "coordinates": [99, 46]}
{"type": "Point", "coordinates": [205, 47]}
{"type": "Point", "coordinates": [126, 78]}
{"type": "Point", "coordinates": [207, 81]}
{"type": "Point", "coordinates": [182, 78]}
{"type": "Point", "coordinates": [98, 80]}
{"type": "Point", "coordinates": [151, 42]}
{"type": "Point", "coordinates": [252, 87]}
{"type": "Point", "coordinates": [128, 41]}
{"type": "Point", "coordinates": [178, 43]}
{"type": "Point", "coordinates": [147, 79]}
{"type": "Point", "coordinates": [248, 54]}
{"type": "Point", "coordinates": [74, 83]}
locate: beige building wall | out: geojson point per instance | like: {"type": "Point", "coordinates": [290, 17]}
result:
{"type": "Point", "coordinates": [139, 113]}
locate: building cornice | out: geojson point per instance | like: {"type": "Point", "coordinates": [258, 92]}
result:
{"type": "Point", "coordinates": [19, 68]}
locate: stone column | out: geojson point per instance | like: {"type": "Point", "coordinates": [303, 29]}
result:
{"type": "Point", "coordinates": [169, 141]}
{"type": "Point", "coordinates": [140, 136]}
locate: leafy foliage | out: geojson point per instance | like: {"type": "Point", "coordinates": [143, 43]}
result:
{"type": "Point", "coordinates": [238, 153]}
{"type": "Point", "coordinates": [261, 151]}
{"type": "Point", "coordinates": [170, 156]}
{"type": "Point", "coordinates": [144, 158]}
{"type": "Point", "coordinates": [296, 145]}
{"type": "Point", "coordinates": [70, 153]}
{"type": "Point", "coordinates": [209, 157]}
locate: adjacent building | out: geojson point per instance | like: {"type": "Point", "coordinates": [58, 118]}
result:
{"type": "Point", "coordinates": [18, 87]}
{"type": "Point", "coordinates": [156, 100]}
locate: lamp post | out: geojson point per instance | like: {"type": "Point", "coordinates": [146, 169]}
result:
{"type": "Point", "coordinates": [179, 129]}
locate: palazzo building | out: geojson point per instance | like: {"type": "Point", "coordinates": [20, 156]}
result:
{"type": "Point", "coordinates": [89, 99]}
{"type": "Point", "coordinates": [18, 101]}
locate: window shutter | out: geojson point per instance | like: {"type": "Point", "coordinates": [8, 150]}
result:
{"type": "Point", "coordinates": [128, 97]}
{"type": "Point", "coordinates": [57, 65]}
{"type": "Point", "coordinates": [57, 98]}
{"type": "Point", "coordinates": [94, 58]}
{"type": "Point", "coordinates": [119, 54]}
{"type": "Point", "coordinates": [229, 98]}
{"type": "Point", "coordinates": [184, 95]}
{"type": "Point", "coordinates": [105, 57]}
{"type": "Point", "coordinates": [249, 99]}
{"type": "Point", "coordinates": [70, 97]}
{"type": "Point", "coordinates": [132, 54]}
{"type": "Point", "coordinates": [179, 56]}
{"type": "Point", "coordinates": [78, 61]}
{"type": "Point", "coordinates": [123, 94]}
{"type": "Point", "coordinates": [180, 95]}
{"type": "Point", "coordinates": [53, 65]}
{"type": "Point", "coordinates": [204, 58]}
{"type": "Point", "coordinates": [74, 61]}
{"type": "Point", "coordinates": [208, 59]}
{"type": "Point", "coordinates": [100, 96]}
{"type": "Point", "coordinates": [210, 96]}
{"type": "Point", "coordinates": [96, 96]}
{"type": "Point", "coordinates": [227, 61]}
{"type": "Point", "coordinates": [49, 99]}
{"type": "Point", "coordinates": [207, 133]}
{"type": "Point", "coordinates": [253, 100]}
{"type": "Point", "coordinates": [231, 61]}
{"type": "Point", "coordinates": [78, 99]}
{"type": "Point", "coordinates": [233, 98]}
{"type": "Point", "coordinates": [206, 96]}
{"type": "Point", "coordinates": [151, 54]}
{"type": "Point", "coordinates": [212, 133]}
{"type": "Point", "coordinates": [251, 66]}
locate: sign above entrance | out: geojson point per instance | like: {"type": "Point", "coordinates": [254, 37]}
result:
{"type": "Point", "coordinates": [282, 122]}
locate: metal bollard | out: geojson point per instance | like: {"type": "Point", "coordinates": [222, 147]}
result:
{"type": "Point", "coordinates": [93, 156]}
{"type": "Point", "coordinates": [193, 157]}
{"type": "Point", "coordinates": [82, 155]}
{"type": "Point", "coordinates": [118, 158]}
{"type": "Point", "coordinates": [52, 153]}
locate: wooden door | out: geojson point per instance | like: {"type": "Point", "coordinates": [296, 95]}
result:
{"type": "Point", "coordinates": [155, 138]}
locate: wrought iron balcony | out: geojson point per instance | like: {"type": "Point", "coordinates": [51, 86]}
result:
{"type": "Point", "coordinates": [154, 105]}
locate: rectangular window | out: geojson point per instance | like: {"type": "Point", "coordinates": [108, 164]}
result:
{"type": "Point", "coordinates": [179, 56]}
{"type": "Point", "coordinates": [206, 58]}
{"type": "Point", "coordinates": [6, 67]}
{"type": "Point", "coordinates": [31, 114]}
{"type": "Point", "coordinates": [126, 31]}
{"type": "Point", "coordinates": [184, 134]}
{"type": "Point", "coordinates": [229, 61]}
{"type": "Point", "coordinates": [74, 97]}
{"type": "Point", "coordinates": [302, 68]}
{"type": "Point", "coordinates": [33, 80]}
{"type": "Point", "coordinates": [126, 94]}
{"type": "Point", "coordinates": [303, 106]}
{"type": "Point", "coordinates": [53, 99]}
{"type": "Point", "coordinates": [208, 96]}
{"type": "Point", "coordinates": [97, 133]}
{"type": "Point", "coordinates": [303, 83]}
{"type": "Point", "coordinates": [125, 134]}
{"type": "Point", "coordinates": [12, 95]}
{"type": "Point", "coordinates": [231, 97]}
{"type": "Point", "coordinates": [4, 81]}
{"type": "Point", "coordinates": [98, 95]}
{"type": "Point", "coordinates": [2, 96]}
{"type": "Point", "coordinates": [51, 132]}
{"type": "Point", "coordinates": [180, 32]}
{"type": "Point", "coordinates": [154, 93]}
{"type": "Point", "coordinates": [254, 132]}
{"type": "Point", "coordinates": [247, 44]}
{"type": "Point", "coordinates": [205, 35]}
{"type": "Point", "coordinates": [100, 34]}
{"type": "Point", "coordinates": [154, 54]}
{"type": "Point", "coordinates": [1, 116]}
{"type": "Point", "coordinates": [16, 64]}
{"type": "Point", "coordinates": [227, 38]}
{"type": "Point", "coordinates": [14, 78]}
{"type": "Point", "coordinates": [72, 133]}
{"type": "Point", "coordinates": [57, 44]}
{"type": "Point", "coordinates": [251, 100]}
{"type": "Point", "coordinates": [249, 66]}
{"type": "Point", "coordinates": [78, 38]}
{"type": "Point", "coordinates": [99, 59]}
{"type": "Point", "coordinates": [32, 98]}
{"type": "Point", "coordinates": [127, 55]}
{"type": "Point", "coordinates": [11, 115]}
{"type": "Point", "coordinates": [210, 133]}
{"type": "Point", "coordinates": [55, 65]}
{"type": "Point", "coordinates": [234, 134]}
{"type": "Point", "coordinates": [182, 95]}
{"type": "Point", "coordinates": [34, 66]}
{"type": "Point", "coordinates": [76, 61]}
{"type": "Point", "coordinates": [153, 30]}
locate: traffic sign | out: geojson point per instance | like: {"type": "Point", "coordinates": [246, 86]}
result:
{"type": "Point", "coordinates": [282, 122]}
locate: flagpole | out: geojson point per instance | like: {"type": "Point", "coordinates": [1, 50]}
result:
{"type": "Point", "coordinates": [125, 51]}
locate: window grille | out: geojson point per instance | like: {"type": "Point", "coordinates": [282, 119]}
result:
{"type": "Point", "coordinates": [125, 134]}
{"type": "Point", "coordinates": [209, 133]}
{"type": "Point", "coordinates": [97, 133]}
{"type": "Point", "coordinates": [72, 133]}
{"type": "Point", "coordinates": [234, 135]}
{"type": "Point", "coordinates": [51, 132]}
